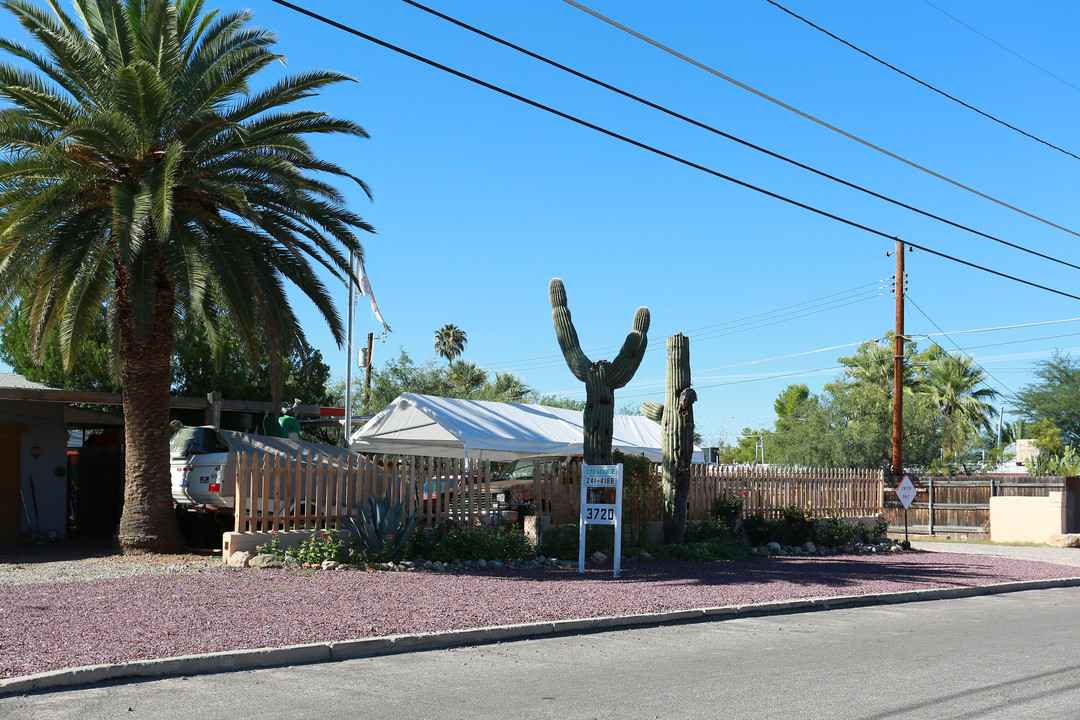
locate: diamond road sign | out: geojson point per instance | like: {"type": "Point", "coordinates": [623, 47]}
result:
{"type": "Point", "coordinates": [905, 491]}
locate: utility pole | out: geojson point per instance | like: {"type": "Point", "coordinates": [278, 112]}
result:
{"type": "Point", "coordinates": [349, 351]}
{"type": "Point", "coordinates": [367, 368]}
{"type": "Point", "coordinates": [898, 369]}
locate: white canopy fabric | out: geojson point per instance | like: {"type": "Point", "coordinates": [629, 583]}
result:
{"type": "Point", "coordinates": [447, 427]}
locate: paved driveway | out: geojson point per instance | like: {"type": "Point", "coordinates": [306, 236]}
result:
{"type": "Point", "coordinates": [1042, 553]}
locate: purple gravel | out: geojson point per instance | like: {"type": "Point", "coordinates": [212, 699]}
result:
{"type": "Point", "coordinates": [63, 625]}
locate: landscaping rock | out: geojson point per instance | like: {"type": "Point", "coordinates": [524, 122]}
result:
{"type": "Point", "coordinates": [240, 559]}
{"type": "Point", "coordinates": [809, 547]}
{"type": "Point", "coordinates": [266, 561]}
{"type": "Point", "coordinates": [773, 548]}
{"type": "Point", "coordinates": [329, 564]}
{"type": "Point", "coordinates": [1067, 540]}
{"type": "Point", "coordinates": [291, 563]}
{"type": "Point", "coordinates": [598, 557]}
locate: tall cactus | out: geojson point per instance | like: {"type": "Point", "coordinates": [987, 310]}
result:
{"type": "Point", "coordinates": [676, 418]}
{"type": "Point", "coordinates": [601, 378]}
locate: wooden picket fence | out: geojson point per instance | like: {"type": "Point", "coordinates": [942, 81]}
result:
{"type": "Point", "coordinates": [959, 506]}
{"type": "Point", "coordinates": [277, 492]}
{"type": "Point", "coordinates": [766, 490]}
{"type": "Point", "coordinates": [763, 490]}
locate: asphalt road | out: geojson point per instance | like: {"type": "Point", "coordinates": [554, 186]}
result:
{"type": "Point", "coordinates": [998, 656]}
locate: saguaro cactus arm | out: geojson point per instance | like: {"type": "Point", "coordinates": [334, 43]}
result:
{"type": "Point", "coordinates": [564, 330]}
{"type": "Point", "coordinates": [629, 358]}
{"type": "Point", "coordinates": [653, 410]}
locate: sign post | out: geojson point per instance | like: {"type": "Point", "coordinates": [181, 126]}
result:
{"type": "Point", "coordinates": [601, 476]}
{"type": "Point", "coordinates": [905, 492]}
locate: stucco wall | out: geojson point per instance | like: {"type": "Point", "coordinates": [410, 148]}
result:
{"type": "Point", "coordinates": [43, 478]}
{"type": "Point", "coordinates": [1027, 519]}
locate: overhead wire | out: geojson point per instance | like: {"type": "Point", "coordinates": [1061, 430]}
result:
{"type": "Point", "coordinates": [657, 151]}
{"type": "Point", "coordinates": [1006, 49]}
{"type": "Point", "coordinates": [819, 121]}
{"type": "Point", "coordinates": [656, 343]}
{"type": "Point", "coordinates": [729, 136]}
{"type": "Point", "coordinates": [925, 84]}
{"type": "Point", "coordinates": [908, 298]}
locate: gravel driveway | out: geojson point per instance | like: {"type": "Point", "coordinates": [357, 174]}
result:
{"type": "Point", "coordinates": [60, 611]}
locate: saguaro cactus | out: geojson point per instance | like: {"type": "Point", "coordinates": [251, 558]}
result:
{"type": "Point", "coordinates": [676, 418]}
{"type": "Point", "coordinates": [601, 378]}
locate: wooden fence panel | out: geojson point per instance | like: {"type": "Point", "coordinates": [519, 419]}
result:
{"type": "Point", "coordinates": [277, 492]}
{"type": "Point", "coordinates": [961, 505]}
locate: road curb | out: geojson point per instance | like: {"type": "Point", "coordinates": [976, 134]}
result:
{"type": "Point", "coordinates": [234, 660]}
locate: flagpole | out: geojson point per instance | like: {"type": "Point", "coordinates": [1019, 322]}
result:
{"type": "Point", "coordinates": [349, 356]}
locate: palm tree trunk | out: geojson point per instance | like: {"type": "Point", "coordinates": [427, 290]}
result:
{"type": "Point", "coordinates": [148, 523]}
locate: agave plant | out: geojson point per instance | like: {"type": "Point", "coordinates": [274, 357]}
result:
{"type": "Point", "coordinates": [381, 529]}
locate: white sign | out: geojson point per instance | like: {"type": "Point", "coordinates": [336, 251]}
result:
{"type": "Point", "coordinates": [906, 491]}
{"type": "Point", "coordinates": [602, 476]}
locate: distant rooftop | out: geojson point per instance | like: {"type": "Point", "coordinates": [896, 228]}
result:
{"type": "Point", "coordinates": [12, 380]}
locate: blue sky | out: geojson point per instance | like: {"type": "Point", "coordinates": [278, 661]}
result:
{"type": "Point", "coordinates": [480, 200]}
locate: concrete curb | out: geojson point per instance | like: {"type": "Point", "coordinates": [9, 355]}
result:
{"type": "Point", "coordinates": [229, 661]}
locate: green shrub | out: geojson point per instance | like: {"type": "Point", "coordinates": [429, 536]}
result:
{"type": "Point", "coordinates": [448, 542]}
{"type": "Point", "coordinates": [728, 510]}
{"type": "Point", "coordinates": [704, 530]}
{"type": "Point", "coordinates": [757, 530]}
{"type": "Point", "coordinates": [798, 525]}
{"type": "Point", "coordinates": [313, 551]}
{"type": "Point", "coordinates": [836, 531]}
{"type": "Point", "coordinates": [642, 494]}
{"type": "Point", "coordinates": [561, 541]}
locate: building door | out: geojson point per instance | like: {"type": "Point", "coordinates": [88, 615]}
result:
{"type": "Point", "coordinates": [11, 506]}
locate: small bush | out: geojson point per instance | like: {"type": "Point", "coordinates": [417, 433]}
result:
{"type": "Point", "coordinates": [757, 530]}
{"type": "Point", "coordinates": [449, 542]}
{"type": "Point", "coordinates": [562, 541]}
{"type": "Point", "coordinates": [727, 510]}
{"type": "Point", "coordinates": [313, 551]}
{"type": "Point", "coordinates": [836, 531]}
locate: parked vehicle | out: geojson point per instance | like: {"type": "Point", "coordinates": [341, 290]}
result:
{"type": "Point", "coordinates": [515, 481]}
{"type": "Point", "coordinates": [203, 463]}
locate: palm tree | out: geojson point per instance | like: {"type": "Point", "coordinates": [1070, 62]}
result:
{"type": "Point", "coordinates": [953, 384]}
{"type": "Point", "coordinates": [141, 173]}
{"type": "Point", "coordinates": [467, 378]}
{"type": "Point", "coordinates": [450, 342]}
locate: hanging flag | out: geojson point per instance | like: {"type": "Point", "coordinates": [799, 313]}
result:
{"type": "Point", "coordinates": [365, 289]}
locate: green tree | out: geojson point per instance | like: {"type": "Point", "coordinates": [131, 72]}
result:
{"type": "Point", "coordinates": [744, 451]}
{"type": "Point", "coordinates": [141, 170]}
{"type": "Point", "coordinates": [198, 370]}
{"type": "Point", "coordinates": [403, 375]}
{"type": "Point", "coordinates": [850, 423]}
{"type": "Point", "coordinates": [93, 371]}
{"type": "Point", "coordinates": [450, 342]}
{"type": "Point", "coordinates": [955, 385]}
{"type": "Point", "coordinates": [466, 378]}
{"type": "Point", "coordinates": [1056, 397]}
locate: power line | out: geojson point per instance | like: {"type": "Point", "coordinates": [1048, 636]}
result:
{"type": "Point", "coordinates": [1007, 327]}
{"type": "Point", "coordinates": [662, 153]}
{"type": "Point", "coordinates": [733, 138]}
{"type": "Point", "coordinates": [927, 85]}
{"type": "Point", "coordinates": [1011, 52]}
{"type": "Point", "coordinates": [1003, 385]}
{"type": "Point", "coordinates": [660, 343]}
{"type": "Point", "coordinates": [817, 120]}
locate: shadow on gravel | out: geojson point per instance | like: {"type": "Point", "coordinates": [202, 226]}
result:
{"type": "Point", "coordinates": [914, 568]}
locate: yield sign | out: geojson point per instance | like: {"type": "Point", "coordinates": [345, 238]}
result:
{"type": "Point", "coordinates": [905, 491]}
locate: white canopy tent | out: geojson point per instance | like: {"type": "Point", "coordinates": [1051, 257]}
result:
{"type": "Point", "coordinates": [447, 427]}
